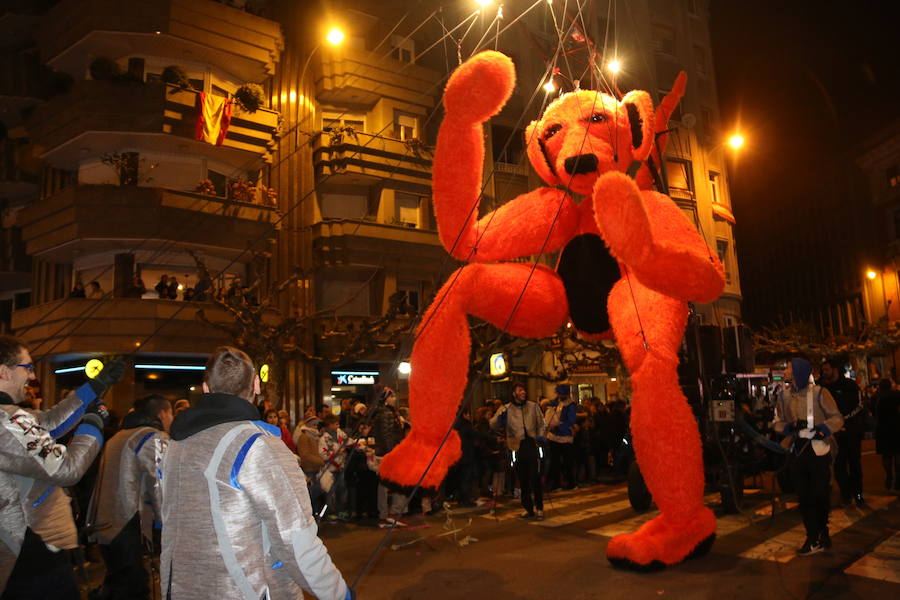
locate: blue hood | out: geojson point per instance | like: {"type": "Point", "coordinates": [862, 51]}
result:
{"type": "Point", "coordinates": [802, 370]}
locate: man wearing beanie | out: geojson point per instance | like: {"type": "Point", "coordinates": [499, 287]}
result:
{"type": "Point", "coordinates": [807, 416]}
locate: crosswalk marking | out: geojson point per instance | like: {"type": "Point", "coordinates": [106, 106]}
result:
{"type": "Point", "coordinates": [630, 525]}
{"type": "Point", "coordinates": [882, 563]}
{"type": "Point", "coordinates": [563, 502]}
{"type": "Point", "coordinates": [783, 547]}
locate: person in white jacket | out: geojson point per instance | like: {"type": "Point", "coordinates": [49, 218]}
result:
{"type": "Point", "coordinates": [236, 515]}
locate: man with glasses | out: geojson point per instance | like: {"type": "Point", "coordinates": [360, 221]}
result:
{"type": "Point", "coordinates": [32, 464]}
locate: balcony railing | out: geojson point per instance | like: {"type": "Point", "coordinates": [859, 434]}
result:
{"type": "Point", "coordinates": [86, 218]}
{"type": "Point", "coordinates": [371, 156]}
{"type": "Point", "coordinates": [339, 241]}
{"type": "Point", "coordinates": [348, 75]}
{"type": "Point", "coordinates": [209, 32]}
{"type": "Point", "coordinates": [117, 326]}
{"type": "Point", "coordinates": [105, 115]}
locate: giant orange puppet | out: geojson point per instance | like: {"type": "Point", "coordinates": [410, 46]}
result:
{"type": "Point", "coordinates": [630, 262]}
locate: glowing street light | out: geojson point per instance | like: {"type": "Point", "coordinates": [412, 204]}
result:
{"type": "Point", "coordinates": [736, 141]}
{"type": "Point", "coordinates": [614, 66]}
{"type": "Point", "coordinates": [871, 274]}
{"type": "Point", "coordinates": [549, 87]}
{"type": "Point", "coordinates": [335, 36]}
{"type": "Point", "coordinates": [404, 368]}
{"type": "Point", "coordinates": [483, 3]}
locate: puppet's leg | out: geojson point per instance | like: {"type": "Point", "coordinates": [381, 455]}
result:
{"type": "Point", "coordinates": [664, 432]}
{"type": "Point", "coordinates": [440, 357]}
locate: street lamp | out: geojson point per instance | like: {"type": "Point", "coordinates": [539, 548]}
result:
{"type": "Point", "coordinates": [335, 37]}
{"type": "Point", "coordinates": [736, 141]}
{"type": "Point", "coordinates": [871, 274]}
{"type": "Point", "coordinates": [614, 66]}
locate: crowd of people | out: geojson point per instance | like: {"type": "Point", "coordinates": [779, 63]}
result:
{"type": "Point", "coordinates": [169, 288]}
{"type": "Point", "coordinates": [575, 444]}
{"type": "Point", "coordinates": [173, 474]}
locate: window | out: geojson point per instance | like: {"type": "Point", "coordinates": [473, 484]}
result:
{"type": "Point", "coordinates": [343, 206]}
{"type": "Point", "coordinates": [730, 321]}
{"type": "Point", "coordinates": [407, 212]}
{"type": "Point", "coordinates": [706, 117]}
{"type": "Point", "coordinates": [219, 181]}
{"type": "Point", "coordinates": [508, 144]}
{"type": "Point", "coordinates": [412, 291]}
{"type": "Point", "coordinates": [680, 175]}
{"type": "Point", "coordinates": [403, 49]}
{"type": "Point", "coordinates": [406, 126]}
{"type": "Point", "coordinates": [722, 251]}
{"type": "Point", "coordinates": [714, 186]}
{"type": "Point", "coordinates": [664, 39]}
{"type": "Point", "coordinates": [700, 62]}
{"type": "Point", "coordinates": [333, 120]}
{"type": "Point", "coordinates": [893, 176]}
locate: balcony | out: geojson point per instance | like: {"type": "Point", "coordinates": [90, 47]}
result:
{"type": "Point", "coordinates": [343, 242]}
{"type": "Point", "coordinates": [115, 326]}
{"type": "Point", "coordinates": [103, 116]}
{"type": "Point", "coordinates": [201, 31]}
{"type": "Point", "coordinates": [85, 219]}
{"type": "Point", "coordinates": [348, 76]}
{"type": "Point", "coordinates": [363, 159]}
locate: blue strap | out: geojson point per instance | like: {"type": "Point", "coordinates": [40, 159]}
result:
{"type": "Point", "coordinates": [269, 428]}
{"type": "Point", "coordinates": [85, 429]}
{"type": "Point", "coordinates": [86, 393]}
{"type": "Point", "coordinates": [239, 460]}
{"type": "Point", "coordinates": [277, 564]}
{"type": "Point", "coordinates": [66, 425]}
{"type": "Point", "coordinates": [143, 441]}
{"type": "Point", "coordinates": [43, 496]}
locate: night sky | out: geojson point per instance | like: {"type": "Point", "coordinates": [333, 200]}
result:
{"type": "Point", "coordinates": [807, 82]}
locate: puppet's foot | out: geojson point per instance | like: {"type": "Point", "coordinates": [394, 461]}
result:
{"type": "Point", "coordinates": [662, 542]}
{"type": "Point", "coordinates": [402, 467]}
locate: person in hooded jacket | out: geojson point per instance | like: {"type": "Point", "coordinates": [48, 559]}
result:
{"type": "Point", "coordinates": [125, 506]}
{"type": "Point", "coordinates": [237, 521]}
{"type": "Point", "coordinates": [848, 462]}
{"type": "Point", "coordinates": [808, 416]}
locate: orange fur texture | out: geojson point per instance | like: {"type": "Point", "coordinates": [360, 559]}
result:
{"type": "Point", "coordinates": [585, 142]}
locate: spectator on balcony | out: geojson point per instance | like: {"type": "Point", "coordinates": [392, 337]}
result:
{"type": "Point", "coordinates": [173, 288]}
{"type": "Point", "coordinates": [203, 289]}
{"type": "Point", "coordinates": [78, 290]}
{"type": "Point", "coordinates": [162, 287]}
{"type": "Point", "coordinates": [94, 290]}
{"type": "Point", "coordinates": [137, 288]}
{"type": "Point", "coordinates": [189, 295]}
{"type": "Point", "coordinates": [235, 293]}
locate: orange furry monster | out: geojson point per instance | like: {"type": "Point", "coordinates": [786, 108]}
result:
{"type": "Point", "coordinates": [630, 262]}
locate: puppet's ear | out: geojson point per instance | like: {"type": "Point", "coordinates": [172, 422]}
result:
{"type": "Point", "coordinates": [639, 108]}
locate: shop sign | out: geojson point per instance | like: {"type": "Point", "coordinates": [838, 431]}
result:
{"type": "Point", "coordinates": [354, 377]}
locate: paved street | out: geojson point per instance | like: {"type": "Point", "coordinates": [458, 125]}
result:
{"type": "Point", "coordinates": [563, 557]}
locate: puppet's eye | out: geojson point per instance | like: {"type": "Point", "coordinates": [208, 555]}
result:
{"type": "Point", "coordinates": [551, 131]}
{"type": "Point", "coordinates": [598, 118]}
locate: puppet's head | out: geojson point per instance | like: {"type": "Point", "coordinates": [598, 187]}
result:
{"type": "Point", "coordinates": [584, 134]}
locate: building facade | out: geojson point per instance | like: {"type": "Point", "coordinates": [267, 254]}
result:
{"type": "Point", "coordinates": [344, 139]}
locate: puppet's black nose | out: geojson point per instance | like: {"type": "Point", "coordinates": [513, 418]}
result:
{"type": "Point", "coordinates": [579, 165]}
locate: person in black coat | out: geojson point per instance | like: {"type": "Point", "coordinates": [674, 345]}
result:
{"type": "Point", "coordinates": [848, 462]}
{"type": "Point", "coordinates": [887, 432]}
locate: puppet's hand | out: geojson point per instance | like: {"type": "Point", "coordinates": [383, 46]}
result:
{"type": "Point", "coordinates": [622, 217]}
{"type": "Point", "coordinates": [480, 87]}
